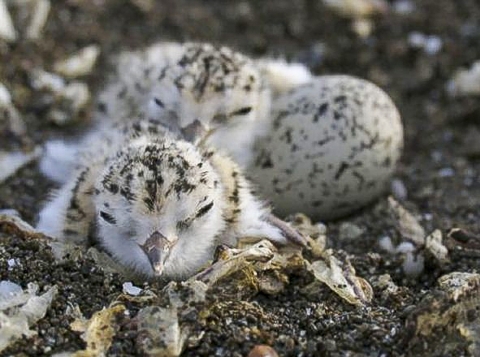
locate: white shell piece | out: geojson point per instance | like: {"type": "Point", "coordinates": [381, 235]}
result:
{"type": "Point", "coordinates": [130, 289]}
{"type": "Point", "coordinates": [7, 31]}
{"type": "Point", "coordinates": [465, 81]}
{"type": "Point", "coordinates": [40, 11]}
{"type": "Point", "coordinates": [79, 64]}
{"type": "Point", "coordinates": [5, 97]}
{"type": "Point", "coordinates": [357, 8]}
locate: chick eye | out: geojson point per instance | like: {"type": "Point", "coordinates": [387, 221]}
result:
{"type": "Point", "coordinates": [242, 111]}
{"type": "Point", "coordinates": [158, 102]}
{"type": "Point", "coordinates": [219, 118]}
{"type": "Point", "coordinates": [202, 211]}
{"type": "Point", "coordinates": [182, 225]}
{"type": "Point", "coordinates": [186, 223]}
{"type": "Point", "coordinates": [107, 217]}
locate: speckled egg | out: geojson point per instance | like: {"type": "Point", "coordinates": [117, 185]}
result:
{"type": "Point", "coordinates": [332, 149]}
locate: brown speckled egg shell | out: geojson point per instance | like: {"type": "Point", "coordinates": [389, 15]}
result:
{"type": "Point", "coordinates": [332, 149]}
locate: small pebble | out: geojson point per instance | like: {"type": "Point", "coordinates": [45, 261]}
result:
{"type": "Point", "coordinates": [446, 172]}
{"type": "Point", "coordinates": [398, 189]}
{"type": "Point", "coordinates": [362, 27]}
{"type": "Point", "coordinates": [11, 263]}
{"type": "Point", "coordinates": [350, 231]}
{"type": "Point", "coordinates": [431, 45]}
{"type": "Point", "coordinates": [403, 7]}
{"type": "Point", "coordinates": [413, 264]}
{"type": "Point", "coordinates": [386, 244]}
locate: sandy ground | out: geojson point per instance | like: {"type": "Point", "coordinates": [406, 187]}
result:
{"type": "Point", "coordinates": [440, 170]}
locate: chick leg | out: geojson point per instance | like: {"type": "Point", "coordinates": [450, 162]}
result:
{"type": "Point", "coordinates": [247, 215]}
{"type": "Point", "coordinates": [291, 234]}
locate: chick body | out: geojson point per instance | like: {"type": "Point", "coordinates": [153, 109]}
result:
{"type": "Point", "coordinates": [156, 203]}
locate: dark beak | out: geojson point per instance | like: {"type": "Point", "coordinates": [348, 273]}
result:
{"type": "Point", "coordinates": [193, 132]}
{"type": "Point", "coordinates": [157, 248]}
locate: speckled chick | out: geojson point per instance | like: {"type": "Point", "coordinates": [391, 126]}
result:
{"type": "Point", "coordinates": [214, 95]}
{"type": "Point", "coordinates": [158, 205]}
{"type": "Point", "coordinates": [224, 91]}
{"type": "Point", "coordinates": [333, 147]}
{"type": "Point", "coordinates": [205, 94]}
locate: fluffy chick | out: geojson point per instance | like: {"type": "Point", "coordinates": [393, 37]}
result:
{"type": "Point", "coordinates": [158, 205]}
{"type": "Point", "coordinates": [212, 94]}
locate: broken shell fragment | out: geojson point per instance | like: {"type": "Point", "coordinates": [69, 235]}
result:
{"type": "Point", "coordinates": [5, 97]}
{"type": "Point", "coordinates": [11, 219]}
{"type": "Point", "coordinates": [9, 115]}
{"type": "Point", "coordinates": [67, 100]}
{"type": "Point", "coordinates": [362, 27]}
{"type": "Point", "coordinates": [7, 31]}
{"type": "Point", "coordinates": [359, 11]}
{"type": "Point", "coordinates": [130, 289]}
{"type": "Point", "coordinates": [98, 331]}
{"type": "Point", "coordinates": [340, 277]}
{"type": "Point", "coordinates": [43, 80]}
{"type": "Point", "coordinates": [40, 10]}
{"type": "Point", "coordinates": [79, 64]}
{"type": "Point", "coordinates": [159, 332]}
{"type": "Point", "coordinates": [465, 82]}
{"type": "Point", "coordinates": [316, 234]}
{"type": "Point", "coordinates": [357, 8]}
{"type": "Point", "coordinates": [8, 289]}
{"type": "Point", "coordinates": [72, 100]}
{"type": "Point", "coordinates": [407, 225]}
{"type": "Point", "coordinates": [412, 239]}
{"type": "Point", "coordinates": [20, 310]}
{"type": "Point", "coordinates": [435, 246]}
{"type": "Point", "coordinates": [349, 231]}
{"type": "Point", "coordinates": [233, 260]}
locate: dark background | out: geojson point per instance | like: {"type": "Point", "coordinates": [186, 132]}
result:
{"type": "Point", "coordinates": [441, 132]}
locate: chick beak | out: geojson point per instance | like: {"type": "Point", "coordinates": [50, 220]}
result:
{"type": "Point", "coordinates": [194, 131]}
{"type": "Point", "coordinates": [157, 248]}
